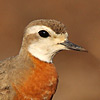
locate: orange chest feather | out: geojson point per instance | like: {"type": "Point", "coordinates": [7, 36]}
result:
{"type": "Point", "coordinates": [40, 84]}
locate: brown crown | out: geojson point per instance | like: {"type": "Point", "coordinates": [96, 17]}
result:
{"type": "Point", "coordinates": [56, 26]}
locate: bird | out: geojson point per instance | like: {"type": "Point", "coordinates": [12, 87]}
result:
{"type": "Point", "coordinates": [31, 75]}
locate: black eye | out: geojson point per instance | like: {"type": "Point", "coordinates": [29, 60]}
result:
{"type": "Point", "coordinates": [43, 33]}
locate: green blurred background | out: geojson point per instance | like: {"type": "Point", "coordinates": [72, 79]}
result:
{"type": "Point", "coordinates": [79, 73]}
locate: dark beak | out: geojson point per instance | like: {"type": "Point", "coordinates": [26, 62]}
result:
{"type": "Point", "coordinates": [73, 46]}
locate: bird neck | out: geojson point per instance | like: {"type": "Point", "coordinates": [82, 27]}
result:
{"type": "Point", "coordinates": [37, 61]}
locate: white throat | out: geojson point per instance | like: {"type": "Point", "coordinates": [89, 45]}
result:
{"type": "Point", "coordinates": [41, 53]}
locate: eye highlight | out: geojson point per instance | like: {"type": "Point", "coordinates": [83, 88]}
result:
{"type": "Point", "coordinates": [44, 33]}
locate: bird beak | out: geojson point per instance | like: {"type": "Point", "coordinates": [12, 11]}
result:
{"type": "Point", "coordinates": [73, 46]}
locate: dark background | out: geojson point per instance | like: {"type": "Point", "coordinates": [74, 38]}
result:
{"type": "Point", "coordinates": [79, 73]}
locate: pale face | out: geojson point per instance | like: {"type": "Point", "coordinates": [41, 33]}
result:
{"type": "Point", "coordinates": [48, 44]}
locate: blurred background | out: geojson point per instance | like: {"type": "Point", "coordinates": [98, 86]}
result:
{"type": "Point", "coordinates": [79, 72]}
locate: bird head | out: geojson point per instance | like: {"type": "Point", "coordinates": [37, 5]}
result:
{"type": "Point", "coordinates": [44, 38]}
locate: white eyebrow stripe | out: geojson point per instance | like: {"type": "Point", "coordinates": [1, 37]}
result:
{"type": "Point", "coordinates": [37, 28]}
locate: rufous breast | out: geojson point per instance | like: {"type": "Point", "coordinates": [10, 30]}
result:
{"type": "Point", "coordinates": [40, 84]}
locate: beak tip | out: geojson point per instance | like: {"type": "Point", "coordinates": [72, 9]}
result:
{"type": "Point", "coordinates": [84, 50]}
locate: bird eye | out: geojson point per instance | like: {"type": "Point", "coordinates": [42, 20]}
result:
{"type": "Point", "coordinates": [43, 33]}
